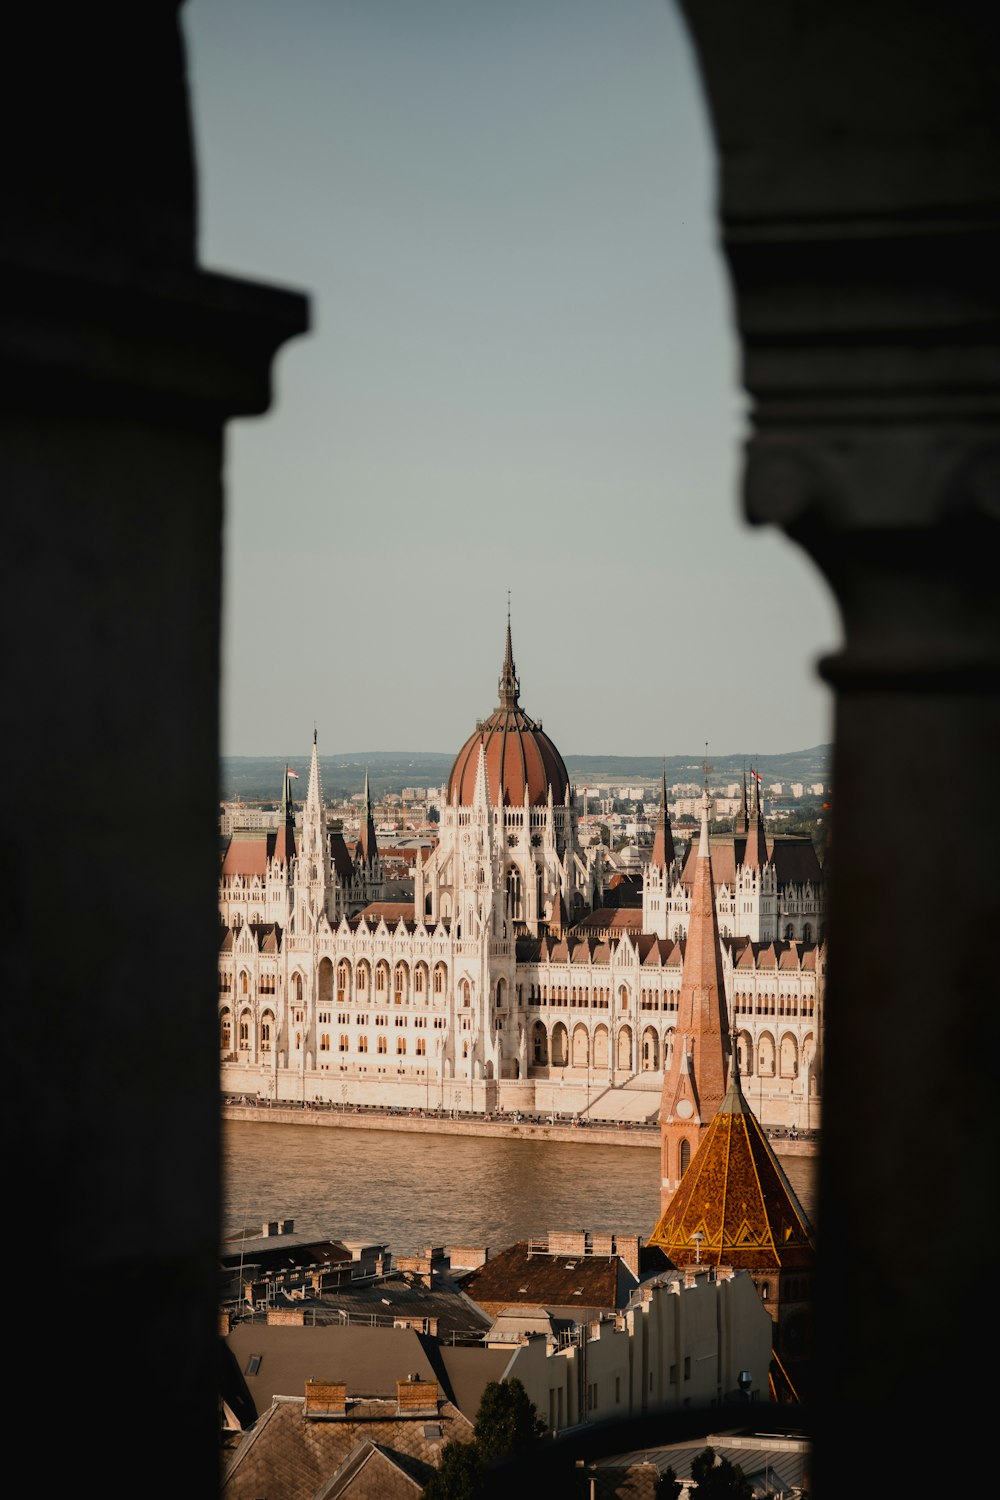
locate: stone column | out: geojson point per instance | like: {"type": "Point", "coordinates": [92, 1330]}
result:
{"type": "Point", "coordinates": [859, 207]}
{"type": "Point", "coordinates": [120, 362]}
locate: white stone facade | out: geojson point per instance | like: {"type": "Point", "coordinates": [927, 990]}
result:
{"type": "Point", "coordinates": [484, 995]}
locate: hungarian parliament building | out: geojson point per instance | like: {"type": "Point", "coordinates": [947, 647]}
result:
{"type": "Point", "coordinates": [515, 979]}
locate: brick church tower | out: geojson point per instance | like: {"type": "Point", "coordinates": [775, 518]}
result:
{"type": "Point", "coordinates": [694, 1085]}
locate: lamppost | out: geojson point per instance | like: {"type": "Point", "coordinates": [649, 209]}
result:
{"type": "Point", "coordinates": [696, 1240]}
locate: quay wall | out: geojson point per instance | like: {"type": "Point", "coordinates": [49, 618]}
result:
{"type": "Point", "coordinates": [421, 1124]}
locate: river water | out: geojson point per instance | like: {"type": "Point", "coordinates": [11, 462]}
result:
{"type": "Point", "coordinates": [409, 1191]}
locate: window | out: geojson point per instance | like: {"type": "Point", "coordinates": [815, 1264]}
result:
{"type": "Point", "coordinates": [343, 1043]}
{"type": "Point", "coordinates": [687, 1367]}
{"type": "Point", "coordinates": [421, 1046]}
{"type": "Point", "coordinates": [383, 1045]}
{"type": "Point", "coordinates": [401, 1046]}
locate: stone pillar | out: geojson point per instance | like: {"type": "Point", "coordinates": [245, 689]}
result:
{"type": "Point", "coordinates": [120, 362]}
{"type": "Point", "coordinates": [859, 207]}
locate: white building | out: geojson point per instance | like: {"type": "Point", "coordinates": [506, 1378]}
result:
{"type": "Point", "coordinates": [501, 984]}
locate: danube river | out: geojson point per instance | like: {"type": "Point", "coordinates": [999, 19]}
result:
{"type": "Point", "coordinates": [409, 1191]}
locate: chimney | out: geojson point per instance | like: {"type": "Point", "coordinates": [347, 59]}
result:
{"type": "Point", "coordinates": [416, 1397]}
{"type": "Point", "coordinates": [326, 1398]}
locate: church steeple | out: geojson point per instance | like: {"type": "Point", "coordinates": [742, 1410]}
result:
{"type": "Point", "coordinates": [510, 687]}
{"type": "Point", "coordinates": [694, 1084]}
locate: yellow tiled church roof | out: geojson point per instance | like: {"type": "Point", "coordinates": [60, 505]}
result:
{"type": "Point", "coordinates": [737, 1195]}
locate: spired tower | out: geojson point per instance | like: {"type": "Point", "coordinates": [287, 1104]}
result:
{"type": "Point", "coordinates": [735, 1207]}
{"type": "Point", "coordinates": [694, 1085]}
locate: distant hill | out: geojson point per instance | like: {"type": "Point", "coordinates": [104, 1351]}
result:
{"type": "Point", "coordinates": [259, 777]}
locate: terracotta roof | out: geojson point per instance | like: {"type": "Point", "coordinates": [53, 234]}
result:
{"type": "Point", "coordinates": [245, 856]}
{"type": "Point", "coordinates": [736, 1193]}
{"type": "Point", "coordinates": [516, 1277]}
{"type": "Point", "coordinates": [786, 954]}
{"type": "Point", "coordinates": [391, 912]}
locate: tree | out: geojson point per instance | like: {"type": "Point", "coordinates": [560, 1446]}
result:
{"type": "Point", "coordinates": [460, 1476]}
{"type": "Point", "coordinates": [719, 1481]}
{"type": "Point", "coordinates": [668, 1486]}
{"type": "Point", "coordinates": [506, 1423]}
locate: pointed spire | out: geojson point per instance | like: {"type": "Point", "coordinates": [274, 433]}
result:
{"type": "Point", "coordinates": [284, 843]}
{"type": "Point", "coordinates": [510, 687]}
{"type": "Point", "coordinates": [663, 839]}
{"type": "Point", "coordinates": [314, 792]}
{"type": "Point", "coordinates": [755, 853]}
{"type": "Point", "coordinates": [367, 842]}
{"type": "Point", "coordinates": [694, 1088]}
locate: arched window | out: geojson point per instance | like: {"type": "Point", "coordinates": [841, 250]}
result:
{"type": "Point", "coordinates": [789, 1063]}
{"type": "Point", "coordinates": [439, 978]}
{"type": "Point", "coordinates": [513, 896]}
{"type": "Point", "coordinates": [362, 977]}
{"type": "Point", "coordinates": [244, 1031]}
{"type": "Point", "coordinates": [789, 931]}
{"type": "Point", "coordinates": [683, 1158]}
{"type": "Point", "coordinates": [298, 988]}
{"type": "Point", "coordinates": [401, 1046]}
{"type": "Point", "coordinates": [342, 1044]}
{"type": "Point", "coordinates": [765, 1057]}
{"type": "Point", "coordinates": [401, 983]}
{"type": "Point", "coordinates": [381, 978]}
{"type": "Point", "coordinates": [420, 980]}
{"type": "Point", "coordinates": [807, 932]}
{"type": "Point", "coordinates": [343, 980]}
{"type": "Point", "coordinates": [383, 1045]}
{"type": "Point", "coordinates": [465, 993]}
{"type": "Point", "coordinates": [265, 1032]}
{"type": "Point", "coordinates": [539, 1044]}
{"type": "Point", "coordinates": [225, 1031]}
{"type": "Point", "coordinates": [244, 983]}
{"type": "Point", "coordinates": [623, 998]}
{"type": "Point", "coordinates": [362, 1044]}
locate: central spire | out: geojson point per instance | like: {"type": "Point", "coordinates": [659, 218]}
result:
{"type": "Point", "coordinates": [510, 688]}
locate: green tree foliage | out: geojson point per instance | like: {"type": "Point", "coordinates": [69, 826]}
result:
{"type": "Point", "coordinates": [460, 1476]}
{"type": "Point", "coordinates": [719, 1481]}
{"type": "Point", "coordinates": [506, 1423]}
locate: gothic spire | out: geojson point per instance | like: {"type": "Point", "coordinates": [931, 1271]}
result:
{"type": "Point", "coordinates": [694, 1085]}
{"type": "Point", "coordinates": [510, 687]}
{"type": "Point", "coordinates": [284, 842]}
{"type": "Point", "coordinates": [755, 853]}
{"type": "Point", "coordinates": [367, 841]}
{"type": "Point", "coordinates": [663, 854]}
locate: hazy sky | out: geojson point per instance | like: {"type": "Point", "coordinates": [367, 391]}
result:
{"type": "Point", "coordinates": [521, 376]}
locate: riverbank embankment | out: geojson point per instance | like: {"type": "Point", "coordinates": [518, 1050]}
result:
{"type": "Point", "coordinates": [499, 1126]}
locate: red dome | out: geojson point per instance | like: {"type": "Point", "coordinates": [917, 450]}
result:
{"type": "Point", "coordinates": [519, 753]}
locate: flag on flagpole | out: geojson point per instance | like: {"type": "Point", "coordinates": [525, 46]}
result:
{"type": "Point", "coordinates": [290, 772]}
{"type": "Point", "coordinates": [756, 774]}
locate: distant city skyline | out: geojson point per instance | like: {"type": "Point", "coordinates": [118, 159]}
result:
{"type": "Point", "coordinates": [521, 376]}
